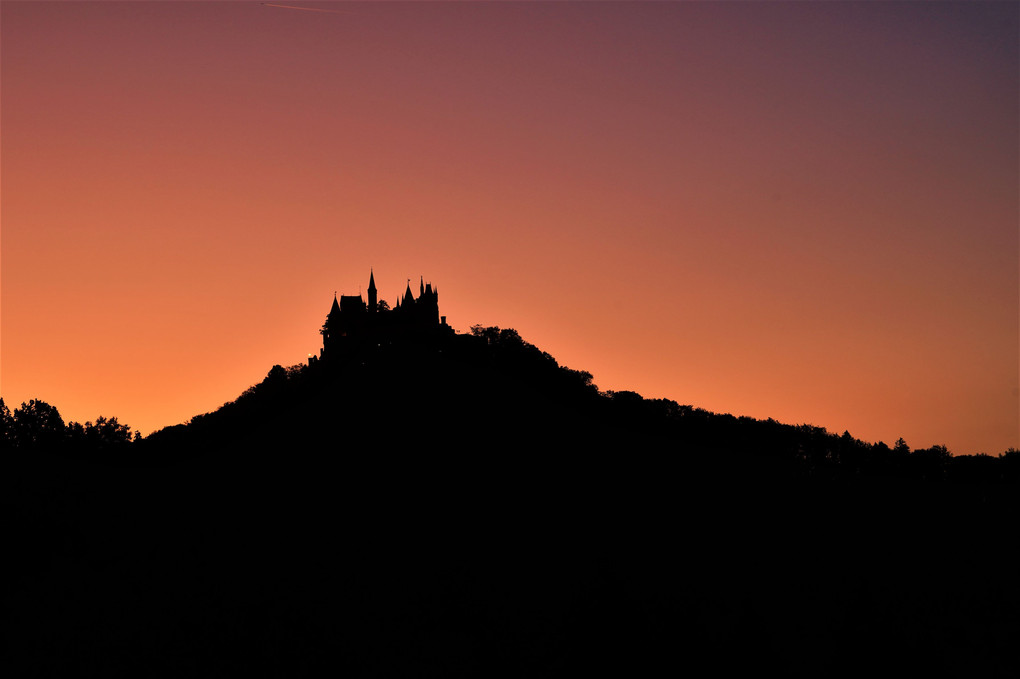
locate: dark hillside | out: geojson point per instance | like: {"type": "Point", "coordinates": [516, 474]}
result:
{"type": "Point", "coordinates": [480, 511]}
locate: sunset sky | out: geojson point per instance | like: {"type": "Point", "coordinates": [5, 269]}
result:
{"type": "Point", "coordinates": [798, 210]}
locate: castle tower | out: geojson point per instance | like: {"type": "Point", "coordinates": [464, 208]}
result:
{"type": "Point", "coordinates": [408, 300]}
{"type": "Point", "coordinates": [331, 328]}
{"type": "Point", "coordinates": [373, 300]}
{"type": "Point", "coordinates": [428, 304]}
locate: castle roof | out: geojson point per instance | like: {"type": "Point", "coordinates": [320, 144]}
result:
{"type": "Point", "coordinates": [352, 303]}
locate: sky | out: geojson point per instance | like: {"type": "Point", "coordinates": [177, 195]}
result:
{"type": "Point", "coordinates": [797, 210]}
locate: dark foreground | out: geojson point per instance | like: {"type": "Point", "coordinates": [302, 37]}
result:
{"type": "Point", "coordinates": [433, 565]}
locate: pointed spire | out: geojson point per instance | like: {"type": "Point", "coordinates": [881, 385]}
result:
{"type": "Point", "coordinates": [336, 305]}
{"type": "Point", "coordinates": [373, 298]}
{"type": "Point", "coordinates": [421, 290]}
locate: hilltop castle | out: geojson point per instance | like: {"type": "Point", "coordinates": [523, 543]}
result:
{"type": "Point", "coordinates": [353, 323]}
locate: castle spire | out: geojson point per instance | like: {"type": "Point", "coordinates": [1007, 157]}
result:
{"type": "Point", "coordinates": [372, 296]}
{"type": "Point", "coordinates": [421, 290]}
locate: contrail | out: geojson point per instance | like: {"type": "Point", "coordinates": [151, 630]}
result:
{"type": "Point", "coordinates": [307, 9]}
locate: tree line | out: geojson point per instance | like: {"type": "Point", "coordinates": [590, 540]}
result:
{"type": "Point", "coordinates": [37, 425]}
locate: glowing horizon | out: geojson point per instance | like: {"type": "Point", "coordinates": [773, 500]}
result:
{"type": "Point", "coordinates": [800, 211]}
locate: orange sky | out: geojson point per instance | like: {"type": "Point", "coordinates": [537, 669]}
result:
{"type": "Point", "coordinates": [805, 211]}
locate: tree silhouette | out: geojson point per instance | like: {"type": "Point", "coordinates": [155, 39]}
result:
{"type": "Point", "coordinates": [6, 426]}
{"type": "Point", "coordinates": [37, 424]}
{"type": "Point", "coordinates": [104, 434]}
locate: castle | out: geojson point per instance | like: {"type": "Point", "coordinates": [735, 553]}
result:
{"type": "Point", "coordinates": [353, 324]}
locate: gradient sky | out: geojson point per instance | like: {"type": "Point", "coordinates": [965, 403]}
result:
{"type": "Point", "coordinates": [805, 211]}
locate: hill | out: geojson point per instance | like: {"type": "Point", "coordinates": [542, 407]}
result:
{"type": "Point", "coordinates": [471, 508]}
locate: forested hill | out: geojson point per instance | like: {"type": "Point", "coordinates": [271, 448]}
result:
{"type": "Point", "coordinates": [474, 509]}
{"type": "Point", "coordinates": [502, 395]}
{"type": "Point", "coordinates": [489, 392]}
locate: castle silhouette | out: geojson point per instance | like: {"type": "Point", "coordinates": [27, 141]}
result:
{"type": "Point", "coordinates": [353, 324]}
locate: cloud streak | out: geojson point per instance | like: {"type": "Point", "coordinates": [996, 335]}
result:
{"type": "Point", "coordinates": [306, 9]}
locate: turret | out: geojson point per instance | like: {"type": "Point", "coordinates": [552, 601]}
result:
{"type": "Point", "coordinates": [408, 295]}
{"type": "Point", "coordinates": [330, 327]}
{"type": "Point", "coordinates": [373, 300]}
